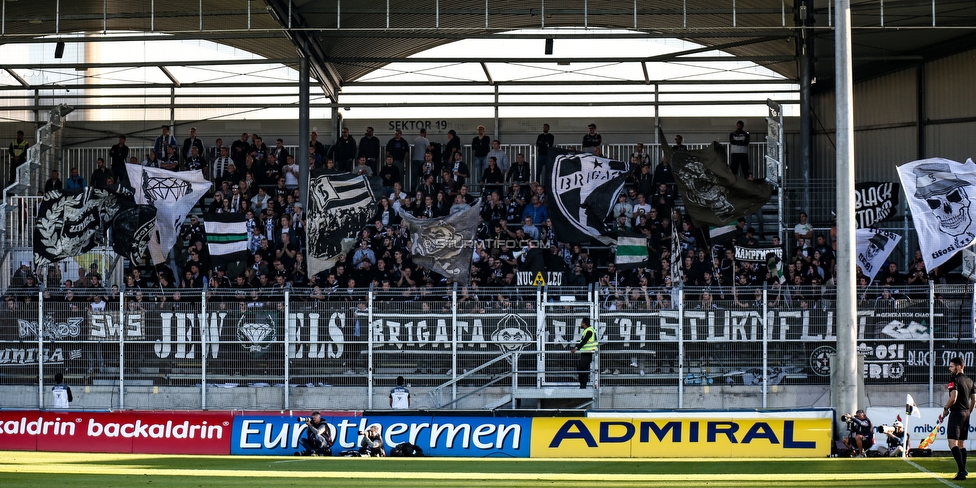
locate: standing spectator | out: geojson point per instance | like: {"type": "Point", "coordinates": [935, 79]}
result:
{"type": "Point", "coordinates": [54, 182]}
{"type": "Point", "coordinates": [170, 159]}
{"type": "Point", "coordinates": [318, 147]}
{"type": "Point", "coordinates": [420, 147]}
{"type": "Point", "coordinates": [369, 147]}
{"type": "Point", "coordinates": [75, 182]}
{"type": "Point", "coordinates": [500, 156]}
{"type": "Point", "coordinates": [259, 150]}
{"type": "Point", "coordinates": [480, 146]}
{"type": "Point", "coordinates": [803, 229]}
{"type": "Point", "coordinates": [119, 155]}
{"type": "Point", "coordinates": [279, 153]}
{"type": "Point", "coordinates": [679, 144]}
{"type": "Point", "coordinates": [592, 140]}
{"type": "Point", "coordinates": [642, 157]}
{"type": "Point", "coordinates": [239, 150]}
{"type": "Point", "coordinates": [587, 345]}
{"type": "Point", "coordinates": [453, 146]}
{"type": "Point", "coordinates": [390, 175]}
{"type": "Point", "coordinates": [399, 148]}
{"type": "Point", "coordinates": [458, 169]}
{"type": "Point", "coordinates": [18, 154]}
{"type": "Point", "coordinates": [196, 161]}
{"type": "Point", "coordinates": [164, 140]}
{"type": "Point", "coordinates": [221, 163]}
{"type": "Point", "coordinates": [664, 176]}
{"type": "Point", "coordinates": [519, 172]}
{"type": "Point", "coordinates": [100, 174]}
{"type": "Point", "coordinates": [400, 395]}
{"type": "Point", "coordinates": [544, 143]}
{"type": "Point", "coordinates": [343, 152]}
{"type": "Point", "coordinates": [61, 392]}
{"type": "Point", "coordinates": [739, 149]}
{"type": "Point", "coordinates": [214, 152]}
{"type": "Point", "coordinates": [192, 141]}
{"type": "Point", "coordinates": [644, 181]}
{"type": "Point", "coordinates": [291, 172]}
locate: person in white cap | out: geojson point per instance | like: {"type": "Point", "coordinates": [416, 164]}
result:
{"type": "Point", "coordinates": [896, 440]}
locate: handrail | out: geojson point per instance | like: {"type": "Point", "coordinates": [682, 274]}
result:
{"type": "Point", "coordinates": [435, 392]}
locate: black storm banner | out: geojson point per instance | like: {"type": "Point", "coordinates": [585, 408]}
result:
{"type": "Point", "coordinates": [874, 202]}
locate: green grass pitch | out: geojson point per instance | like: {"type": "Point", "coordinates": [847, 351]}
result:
{"type": "Point", "coordinates": [75, 470]}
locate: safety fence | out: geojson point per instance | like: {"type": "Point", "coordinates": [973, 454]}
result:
{"type": "Point", "coordinates": [198, 344]}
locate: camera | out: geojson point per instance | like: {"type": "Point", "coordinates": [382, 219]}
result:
{"type": "Point", "coordinates": [304, 419]}
{"type": "Point", "coordinates": [846, 418]}
{"type": "Point", "coordinates": [885, 429]}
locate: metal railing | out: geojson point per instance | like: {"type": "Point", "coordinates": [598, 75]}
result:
{"type": "Point", "coordinates": [193, 349]}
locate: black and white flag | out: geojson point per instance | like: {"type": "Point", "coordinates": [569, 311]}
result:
{"type": "Point", "coordinates": [940, 193]}
{"type": "Point", "coordinates": [874, 202]}
{"type": "Point", "coordinates": [226, 237]}
{"type": "Point", "coordinates": [581, 191]}
{"type": "Point", "coordinates": [70, 223]}
{"type": "Point", "coordinates": [339, 207]}
{"type": "Point", "coordinates": [873, 248]}
{"type": "Point", "coordinates": [445, 244]}
{"type": "Point", "coordinates": [712, 194]}
{"type": "Point", "coordinates": [173, 194]}
{"type": "Point", "coordinates": [757, 254]}
{"type": "Point", "coordinates": [132, 229]}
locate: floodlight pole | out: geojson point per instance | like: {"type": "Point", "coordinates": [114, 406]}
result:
{"type": "Point", "coordinates": [301, 159]}
{"type": "Point", "coordinates": [845, 389]}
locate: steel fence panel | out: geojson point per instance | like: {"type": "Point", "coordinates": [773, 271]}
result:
{"type": "Point", "coordinates": [639, 346]}
{"type": "Point", "coordinates": [20, 351]}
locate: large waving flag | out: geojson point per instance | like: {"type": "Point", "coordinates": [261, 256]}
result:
{"type": "Point", "coordinates": [70, 223]}
{"type": "Point", "coordinates": [226, 237]}
{"type": "Point", "coordinates": [712, 194]}
{"type": "Point", "coordinates": [173, 193]}
{"type": "Point", "coordinates": [339, 207]}
{"type": "Point", "coordinates": [940, 193]}
{"type": "Point", "coordinates": [873, 248]}
{"type": "Point", "coordinates": [445, 244]}
{"type": "Point", "coordinates": [581, 191]}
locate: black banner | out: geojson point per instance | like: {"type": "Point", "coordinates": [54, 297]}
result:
{"type": "Point", "coordinates": [874, 202]}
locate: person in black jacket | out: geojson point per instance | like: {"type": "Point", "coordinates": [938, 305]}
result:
{"type": "Point", "coordinates": [343, 152]}
{"type": "Point", "coordinates": [959, 408]}
{"type": "Point", "coordinates": [861, 433]}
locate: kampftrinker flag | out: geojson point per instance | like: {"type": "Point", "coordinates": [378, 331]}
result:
{"type": "Point", "coordinates": [70, 223]}
{"type": "Point", "coordinates": [445, 244]}
{"type": "Point", "coordinates": [631, 252]}
{"type": "Point", "coordinates": [940, 193]}
{"type": "Point", "coordinates": [713, 195]}
{"type": "Point", "coordinates": [226, 237]}
{"type": "Point", "coordinates": [873, 248]}
{"type": "Point", "coordinates": [173, 194]}
{"type": "Point", "coordinates": [339, 206]}
{"type": "Point", "coordinates": [581, 191]}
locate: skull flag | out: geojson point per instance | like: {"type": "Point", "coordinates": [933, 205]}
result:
{"type": "Point", "coordinates": [873, 248]}
{"type": "Point", "coordinates": [939, 193]}
{"type": "Point", "coordinates": [445, 244]}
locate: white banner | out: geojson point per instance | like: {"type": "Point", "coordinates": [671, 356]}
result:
{"type": "Point", "coordinates": [917, 428]}
{"type": "Point", "coordinates": [757, 254]}
{"type": "Point", "coordinates": [940, 193]}
{"type": "Point", "coordinates": [873, 248]}
{"type": "Point", "coordinates": [173, 194]}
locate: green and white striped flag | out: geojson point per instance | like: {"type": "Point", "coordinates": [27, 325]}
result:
{"type": "Point", "coordinates": [775, 266]}
{"type": "Point", "coordinates": [226, 237]}
{"type": "Point", "coordinates": [631, 252]}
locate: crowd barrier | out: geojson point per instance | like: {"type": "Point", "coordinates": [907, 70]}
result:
{"type": "Point", "coordinates": [700, 434]}
{"type": "Point", "coordinates": [204, 347]}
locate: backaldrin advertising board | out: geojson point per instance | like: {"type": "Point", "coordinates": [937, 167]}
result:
{"type": "Point", "coordinates": [135, 432]}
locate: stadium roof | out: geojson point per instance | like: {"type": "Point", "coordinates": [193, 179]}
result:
{"type": "Point", "coordinates": [345, 41]}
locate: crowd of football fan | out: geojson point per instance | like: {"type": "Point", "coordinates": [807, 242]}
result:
{"type": "Point", "coordinates": [428, 179]}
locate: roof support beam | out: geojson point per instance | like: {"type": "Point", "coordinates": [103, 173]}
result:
{"type": "Point", "coordinates": [552, 60]}
{"type": "Point", "coordinates": [213, 62]}
{"type": "Point", "coordinates": [169, 75]}
{"type": "Point", "coordinates": [291, 20]}
{"type": "Point", "coordinates": [487, 74]}
{"type": "Point", "coordinates": [17, 77]}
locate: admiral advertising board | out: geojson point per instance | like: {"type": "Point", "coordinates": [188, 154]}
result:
{"type": "Point", "coordinates": [685, 434]}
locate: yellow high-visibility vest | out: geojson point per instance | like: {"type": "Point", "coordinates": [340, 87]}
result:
{"type": "Point", "coordinates": [591, 344]}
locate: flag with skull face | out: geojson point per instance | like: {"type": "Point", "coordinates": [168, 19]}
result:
{"type": "Point", "coordinates": [939, 195]}
{"type": "Point", "coordinates": [873, 248]}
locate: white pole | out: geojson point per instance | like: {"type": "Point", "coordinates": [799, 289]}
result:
{"type": "Point", "coordinates": [765, 346]}
{"type": "Point", "coordinates": [932, 342]}
{"type": "Point", "coordinates": [846, 387]}
{"type": "Point", "coordinates": [40, 349]}
{"type": "Point", "coordinates": [681, 347]}
{"type": "Point", "coordinates": [122, 347]}
{"type": "Point", "coordinates": [203, 349]}
{"type": "Point", "coordinates": [369, 343]}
